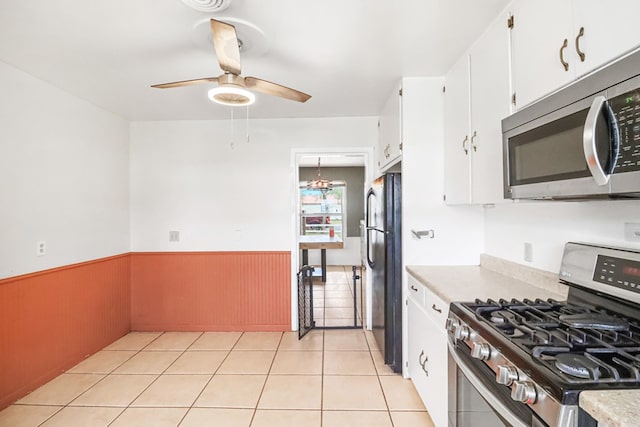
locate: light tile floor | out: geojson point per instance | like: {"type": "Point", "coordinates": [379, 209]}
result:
{"type": "Point", "coordinates": [333, 300]}
{"type": "Point", "coordinates": [331, 378]}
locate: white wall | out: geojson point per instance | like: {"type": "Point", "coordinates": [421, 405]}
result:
{"type": "Point", "coordinates": [63, 177]}
{"type": "Point", "coordinates": [549, 225]}
{"type": "Point", "coordinates": [458, 230]}
{"type": "Point", "coordinates": [186, 177]}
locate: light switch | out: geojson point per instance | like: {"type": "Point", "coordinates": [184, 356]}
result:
{"type": "Point", "coordinates": [174, 236]}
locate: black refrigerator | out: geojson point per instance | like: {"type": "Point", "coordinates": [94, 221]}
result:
{"type": "Point", "coordinates": [384, 256]}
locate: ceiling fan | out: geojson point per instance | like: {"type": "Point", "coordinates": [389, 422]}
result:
{"type": "Point", "coordinates": [233, 88]}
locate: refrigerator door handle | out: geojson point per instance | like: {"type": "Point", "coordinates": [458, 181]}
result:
{"type": "Point", "coordinates": [369, 260]}
{"type": "Point", "coordinates": [368, 227]}
{"type": "Point", "coordinates": [367, 220]}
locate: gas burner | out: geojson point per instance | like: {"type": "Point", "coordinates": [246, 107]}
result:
{"type": "Point", "coordinates": [578, 365]}
{"type": "Point", "coordinates": [500, 317]}
{"type": "Point", "coordinates": [598, 321]}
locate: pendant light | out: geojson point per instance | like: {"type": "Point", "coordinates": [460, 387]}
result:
{"type": "Point", "coordinates": [319, 183]}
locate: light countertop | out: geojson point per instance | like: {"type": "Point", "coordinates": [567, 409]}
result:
{"type": "Point", "coordinates": [497, 279]}
{"type": "Point", "coordinates": [466, 283]}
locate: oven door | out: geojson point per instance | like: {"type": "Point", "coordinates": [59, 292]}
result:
{"type": "Point", "coordinates": [477, 400]}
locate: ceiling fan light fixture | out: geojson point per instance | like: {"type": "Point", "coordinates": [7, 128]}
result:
{"type": "Point", "coordinates": [231, 95]}
{"type": "Point", "coordinates": [207, 5]}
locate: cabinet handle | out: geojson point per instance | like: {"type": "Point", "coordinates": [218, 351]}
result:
{"type": "Point", "coordinates": [562, 61]}
{"type": "Point", "coordinates": [413, 288]}
{"type": "Point", "coordinates": [464, 144]}
{"type": "Point", "coordinates": [473, 141]}
{"type": "Point", "coordinates": [423, 363]}
{"type": "Point", "coordinates": [580, 52]}
{"type": "Point", "coordinates": [439, 310]}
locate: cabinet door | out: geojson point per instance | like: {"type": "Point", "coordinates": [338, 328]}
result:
{"type": "Point", "coordinates": [456, 134]}
{"type": "Point", "coordinates": [610, 30]}
{"type": "Point", "coordinates": [438, 376]}
{"type": "Point", "coordinates": [389, 132]}
{"type": "Point", "coordinates": [540, 28]}
{"type": "Point", "coordinates": [428, 362]}
{"type": "Point", "coordinates": [490, 103]}
{"type": "Point", "coordinates": [417, 347]}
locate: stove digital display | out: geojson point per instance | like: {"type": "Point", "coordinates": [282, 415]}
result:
{"type": "Point", "coordinates": [621, 273]}
{"type": "Point", "coordinates": [631, 271]}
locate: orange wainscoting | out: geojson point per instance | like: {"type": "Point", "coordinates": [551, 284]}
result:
{"type": "Point", "coordinates": [211, 291]}
{"type": "Point", "coordinates": [51, 320]}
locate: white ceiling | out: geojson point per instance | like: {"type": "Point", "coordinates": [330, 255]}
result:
{"type": "Point", "coordinates": [347, 54]}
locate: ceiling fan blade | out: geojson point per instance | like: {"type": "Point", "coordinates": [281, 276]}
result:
{"type": "Point", "coordinates": [187, 83]}
{"type": "Point", "coordinates": [225, 41]}
{"type": "Point", "coordinates": [270, 88]}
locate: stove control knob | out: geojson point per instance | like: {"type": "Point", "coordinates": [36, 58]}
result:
{"type": "Point", "coordinates": [506, 374]}
{"type": "Point", "coordinates": [451, 325]}
{"type": "Point", "coordinates": [462, 332]}
{"type": "Point", "coordinates": [480, 351]}
{"type": "Point", "coordinates": [524, 391]}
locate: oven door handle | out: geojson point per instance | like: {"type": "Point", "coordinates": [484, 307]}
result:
{"type": "Point", "coordinates": [590, 142]}
{"type": "Point", "coordinates": [496, 404]}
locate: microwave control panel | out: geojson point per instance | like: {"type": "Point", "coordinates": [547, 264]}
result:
{"type": "Point", "coordinates": [626, 108]}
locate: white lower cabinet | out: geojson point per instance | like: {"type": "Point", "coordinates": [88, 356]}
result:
{"type": "Point", "coordinates": [427, 358]}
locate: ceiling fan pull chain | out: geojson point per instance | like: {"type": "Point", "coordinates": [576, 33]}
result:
{"type": "Point", "coordinates": [232, 138]}
{"type": "Point", "coordinates": [248, 124]}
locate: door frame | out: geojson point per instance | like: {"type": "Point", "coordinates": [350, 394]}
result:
{"type": "Point", "coordinates": [296, 155]}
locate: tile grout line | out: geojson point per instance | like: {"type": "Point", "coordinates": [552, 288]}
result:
{"type": "Point", "coordinates": [68, 404]}
{"type": "Point", "coordinates": [157, 375]}
{"type": "Point", "coordinates": [255, 410]}
{"type": "Point", "coordinates": [384, 396]}
{"type": "Point", "coordinates": [210, 379]}
{"type": "Point", "coordinates": [322, 380]}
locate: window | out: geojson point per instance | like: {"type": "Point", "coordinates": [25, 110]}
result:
{"type": "Point", "coordinates": [322, 211]}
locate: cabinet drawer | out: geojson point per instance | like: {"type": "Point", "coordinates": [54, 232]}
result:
{"type": "Point", "coordinates": [416, 291]}
{"type": "Point", "coordinates": [436, 308]}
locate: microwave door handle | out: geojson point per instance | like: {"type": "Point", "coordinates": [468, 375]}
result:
{"type": "Point", "coordinates": [589, 141]}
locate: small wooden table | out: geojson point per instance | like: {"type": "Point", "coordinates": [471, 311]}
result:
{"type": "Point", "coordinates": [319, 242]}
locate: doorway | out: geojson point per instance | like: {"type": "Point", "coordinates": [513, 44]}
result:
{"type": "Point", "coordinates": [339, 292]}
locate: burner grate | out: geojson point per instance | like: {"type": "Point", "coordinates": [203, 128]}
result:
{"type": "Point", "coordinates": [582, 344]}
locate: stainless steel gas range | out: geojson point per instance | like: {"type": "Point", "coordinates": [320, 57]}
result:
{"type": "Point", "coordinates": [525, 362]}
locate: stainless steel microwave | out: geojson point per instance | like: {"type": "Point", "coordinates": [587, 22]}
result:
{"type": "Point", "coordinates": [582, 142]}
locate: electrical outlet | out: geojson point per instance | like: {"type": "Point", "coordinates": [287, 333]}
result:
{"type": "Point", "coordinates": [41, 248]}
{"type": "Point", "coordinates": [174, 236]}
{"type": "Point", "coordinates": [632, 232]}
{"type": "Point", "coordinates": [528, 251]}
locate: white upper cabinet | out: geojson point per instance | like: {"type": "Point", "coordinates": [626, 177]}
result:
{"type": "Point", "coordinates": [539, 30]}
{"type": "Point", "coordinates": [390, 131]}
{"type": "Point", "coordinates": [556, 41]}
{"type": "Point", "coordinates": [609, 30]}
{"type": "Point", "coordinates": [490, 103]}
{"type": "Point", "coordinates": [457, 170]}
{"type": "Point", "coordinates": [477, 97]}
